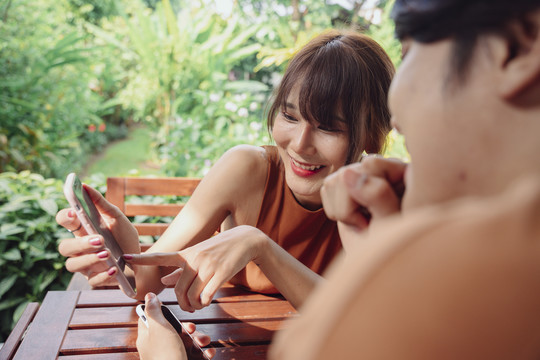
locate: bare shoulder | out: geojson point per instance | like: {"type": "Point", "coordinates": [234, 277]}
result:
{"type": "Point", "coordinates": [243, 166]}
{"type": "Point", "coordinates": [246, 160]}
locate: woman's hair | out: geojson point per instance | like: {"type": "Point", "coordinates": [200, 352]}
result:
{"type": "Point", "coordinates": [341, 75]}
{"type": "Point", "coordinates": [462, 20]}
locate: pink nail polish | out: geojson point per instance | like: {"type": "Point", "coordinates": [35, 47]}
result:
{"type": "Point", "coordinates": [103, 254]}
{"type": "Point", "coordinates": [128, 256]}
{"type": "Point", "coordinates": [95, 241]}
{"type": "Point", "coordinates": [111, 271]}
{"type": "Point", "coordinates": [71, 213]}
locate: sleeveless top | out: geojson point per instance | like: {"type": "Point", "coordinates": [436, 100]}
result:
{"type": "Point", "coordinates": [307, 235]}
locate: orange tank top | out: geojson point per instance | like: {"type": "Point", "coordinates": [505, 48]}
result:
{"type": "Point", "coordinates": [307, 235]}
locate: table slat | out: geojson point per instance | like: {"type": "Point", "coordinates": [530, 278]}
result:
{"type": "Point", "coordinates": [257, 352]}
{"type": "Point", "coordinates": [106, 297]}
{"type": "Point", "coordinates": [46, 332]}
{"type": "Point", "coordinates": [114, 340]}
{"type": "Point", "coordinates": [125, 315]}
{"type": "Point", "coordinates": [10, 346]}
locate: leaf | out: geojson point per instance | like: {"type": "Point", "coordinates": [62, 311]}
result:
{"type": "Point", "coordinates": [19, 310]}
{"type": "Point", "coordinates": [49, 206]}
{"type": "Point", "coordinates": [11, 303]}
{"type": "Point", "coordinates": [12, 255]}
{"type": "Point", "coordinates": [10, 229]}
{"type": "Point", "coordinates": [7, 283]}
{"type": "Point", "coordinates": [242, 53]}
{"type": "Point", "coordinates": [47, 280]}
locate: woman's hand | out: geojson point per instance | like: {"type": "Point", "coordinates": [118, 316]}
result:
{"type": "Point", "coordinates": [360, 192]}
{"type": "Point", "coordinates": [205, 267]}
{"type": "Point", "coordinates": [159, 340]}
{"type": "Point", "coordinates": [86, 253]}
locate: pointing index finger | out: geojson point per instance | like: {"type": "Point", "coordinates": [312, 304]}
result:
{"type": "Point", "coordinates": [158, 259]}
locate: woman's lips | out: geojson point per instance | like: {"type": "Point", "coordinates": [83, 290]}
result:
{"type": "Point", "coordinates": [303, 169]}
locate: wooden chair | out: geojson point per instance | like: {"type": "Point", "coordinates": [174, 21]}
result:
{"type": "Point", "coordinates": [120, 188]}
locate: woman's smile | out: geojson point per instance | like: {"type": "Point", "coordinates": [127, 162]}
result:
{"type": "Point", "coordinates": [305, 169]}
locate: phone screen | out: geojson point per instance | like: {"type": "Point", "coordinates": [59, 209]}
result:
{"type": "Point", "coordinates": [193, 350]}
{"type": "Point", "coordinates": [83, 203]}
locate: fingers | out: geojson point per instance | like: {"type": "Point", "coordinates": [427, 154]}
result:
{"type": "Point", "coordinates": [210, 353]}
{"type": "Point", "coordinates": [392, 170]}
{"type": "Point", "coordinates": [196, 287]}
{"type": "Point", "coordinates": [181, 289]}
{"type": "Point", "coordinates": [103, 278]}
{"type": "Point", "coordinates": [103, 206]}
{"type": "Point", "coordinates": [153, 307]}
{"type": "Point", "coordinates": [201, 339]}
{"type": "Point", "coordinates": [95, 262]}
{"type": "Point", "coordinates": [172, 278]}
{"type": "Point", "coordinates": [210, 290]}
{"type": "Point", "coordinates": [80, 245]}
{"type": "Point", "coordinates": [372, 188]}
{"type": "Point", "coordinates": [158, 259]}
{"type": "Point", "coordinates": [68, 219]}
{"type": "Point", "coordinates": [375, 193]}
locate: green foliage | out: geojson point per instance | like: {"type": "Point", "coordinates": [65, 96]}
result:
{"type": "Point", "coordinates": [198, 94]}
{"type": "Point", "coordinates": [45, 101]}
{"type": "Point", "coordinates": [383, 33]}
{"type": "Point", "coordinates": [29, 260]}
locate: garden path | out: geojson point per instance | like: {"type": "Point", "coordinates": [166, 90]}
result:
{"type": "Point", "coordinates": [129, 156]}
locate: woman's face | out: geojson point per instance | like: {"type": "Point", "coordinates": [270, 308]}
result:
{"type": "Point", "coordinates": [450, 127]}
{"type": "Point", "coordinates": [308, 151]}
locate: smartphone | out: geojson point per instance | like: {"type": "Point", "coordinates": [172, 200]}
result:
{"type": "Point", "coordinates": [92, 222]}
{"type": "Point", "coordinates": [193, 350]}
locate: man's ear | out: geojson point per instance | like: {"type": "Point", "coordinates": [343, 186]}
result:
{"type": "Point", "coordinates": [521, 70]}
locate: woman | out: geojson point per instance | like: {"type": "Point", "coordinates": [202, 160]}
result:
{"type": "Point", "coordinates": [328, 109]}
{"type": "Point", "coordinates": [456, 275]}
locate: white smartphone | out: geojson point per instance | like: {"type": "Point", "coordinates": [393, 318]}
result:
{"type": "Point", "coordinates": [92, 222]}
{"type": "Point", "coordinates": [193, 350]}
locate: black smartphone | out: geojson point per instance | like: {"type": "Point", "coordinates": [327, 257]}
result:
{"type": "Point", "coordinates": [92, 222]}
{"type": "Point", "coordinates": [193, 350]}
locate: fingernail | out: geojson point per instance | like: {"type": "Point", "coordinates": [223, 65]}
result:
{"type": "Point", "coordinates": [71, 213]}
{"type": "Point", "coordinates": [111, 271]}
{"type": "Point", "coordinates": [103, 254]}
{"type": "Point", "coordinates": [128, 256]}
{"type": "Point", "coordinates": [150, 296]}
{"type": "Point", "coordinates": [95, 241]}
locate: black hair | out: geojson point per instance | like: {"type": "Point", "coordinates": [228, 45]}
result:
{"type": "Point", "coordinates": [463, 20]}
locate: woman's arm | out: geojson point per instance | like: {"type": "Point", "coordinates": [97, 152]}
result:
{"type": "Point", "coordinates": [205, 267]}
{"type": "Point", "coordinates": [235, 182]}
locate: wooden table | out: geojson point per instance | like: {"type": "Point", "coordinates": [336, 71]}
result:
{"type": "Point", "coordinates": [102, 324]}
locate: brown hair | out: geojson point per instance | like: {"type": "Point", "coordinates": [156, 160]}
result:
{"type": "Point", "coordinates": [346, 74]}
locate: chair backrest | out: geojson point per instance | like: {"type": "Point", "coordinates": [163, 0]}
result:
{"type": "Point", "coordinates": [118, 188]}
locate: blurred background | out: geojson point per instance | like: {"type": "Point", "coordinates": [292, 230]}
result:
{"type": "Point", "coordinates": [136, 87]}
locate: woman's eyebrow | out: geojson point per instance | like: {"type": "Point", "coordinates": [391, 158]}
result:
{"type": "Point", "coordinates": [289, 105]}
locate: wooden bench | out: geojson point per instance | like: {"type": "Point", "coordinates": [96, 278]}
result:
{"type": "Point", "coordinates": [119, 192]}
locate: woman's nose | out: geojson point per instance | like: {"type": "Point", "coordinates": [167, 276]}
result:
{"type": "Point", "coordinates": [303, 141]}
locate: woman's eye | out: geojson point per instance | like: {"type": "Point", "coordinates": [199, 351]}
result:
{"type": "Point", "coordinates": [288, 116]}
{"type": "Point", "coordinates": [329, 129]}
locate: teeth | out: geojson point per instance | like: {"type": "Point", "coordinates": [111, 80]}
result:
{"type": "Point", "coordinates": [310, 168]}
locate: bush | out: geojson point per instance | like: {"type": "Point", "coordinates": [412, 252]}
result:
{"type": "Point", "coordinates": [29, 260]}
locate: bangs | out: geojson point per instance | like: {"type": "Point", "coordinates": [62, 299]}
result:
{"type": "Point", "coordinates": [323, 84]}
